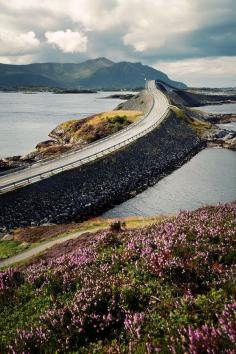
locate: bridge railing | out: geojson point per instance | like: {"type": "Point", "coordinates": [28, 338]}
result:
{"type": "Point", "coordinates": [73, 152]}
{"type": "Point", "coordinates": [82, 161]}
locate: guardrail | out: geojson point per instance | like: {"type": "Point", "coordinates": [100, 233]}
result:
{"type": "Point", "coordinates": [61, 156]}
{"type": "Point", "coordinates": [82, 161]}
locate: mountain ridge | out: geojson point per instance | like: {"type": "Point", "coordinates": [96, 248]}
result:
{"type": "Point", "coordinates": [100, 73]}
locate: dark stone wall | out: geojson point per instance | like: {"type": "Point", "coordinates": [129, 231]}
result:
{"type": "Point", "coordinates": [89, 190]}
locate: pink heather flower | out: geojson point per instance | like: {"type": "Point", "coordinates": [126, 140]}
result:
{"type": "Point", "coordinates": [133, 322]}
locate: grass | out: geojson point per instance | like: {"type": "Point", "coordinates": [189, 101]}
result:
{"type": "Point", "coordinates": [96, 127]}
{"type": "Point", "coordinates": [31, 237]}
{"type": "Point", "coordinates": [80, 132]}
{"type": "Point", "coordinates": [132, 116]}
{"type": "Point", "coordinates": [180, 113]}
{"type": "Point", "coordinates": [168, 287]}
{"type": "Point", "coordinates": [198, 125]}
{"type": "Point", "coordinates": [67, 124]}
{"type": "Point", "coordinates": [10, 248]}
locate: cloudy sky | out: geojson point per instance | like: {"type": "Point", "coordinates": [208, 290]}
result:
{"type": "Point", "coordinates": [191, 40]}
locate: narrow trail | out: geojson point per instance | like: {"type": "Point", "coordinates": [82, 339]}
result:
{"type": "Point", "coordinates": [44, 246]}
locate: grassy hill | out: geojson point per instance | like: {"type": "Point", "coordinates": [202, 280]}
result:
{"type": "Point", "coordinates": [165, 288]}
{"type": "Point", "coordinates": [98, 73]}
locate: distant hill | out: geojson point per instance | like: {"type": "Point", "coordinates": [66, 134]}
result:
{"type": "Point", "coordinates": [98, 73]}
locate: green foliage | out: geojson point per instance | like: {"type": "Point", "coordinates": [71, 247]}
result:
{"type": "Point", "coordinates": [145, 290]}
{"type": "Point", "coordinates": [10, 248]}
{"type": "Point", "coordinates": [106, 127]}
{"type": "Point", "coordinates": [199, 126]}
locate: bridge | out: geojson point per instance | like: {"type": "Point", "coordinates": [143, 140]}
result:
{"type": "Point", "coordinates": [94, 151]}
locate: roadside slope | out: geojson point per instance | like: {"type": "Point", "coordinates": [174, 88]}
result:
{"type": "Point", "coordinates": [168, 285]}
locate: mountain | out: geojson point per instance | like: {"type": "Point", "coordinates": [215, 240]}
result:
{"type": "Point", "coordinates": [100, 73]}
{"type": "Point", "coordinates": [126, 75]}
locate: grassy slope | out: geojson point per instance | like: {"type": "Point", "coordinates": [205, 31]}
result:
{"type": "Point", "coordinates": [98, 126]}
{"type": "Point", "coordinates": [77, 133]}
{"type": "Point", "coordinates": [10, 248]}
{"type": "Point", "coordinates": [31, 237]}
{"type": "Point", "coordinates": [198, 125]}
{"type": "Point", "coordinates": [163, 288]}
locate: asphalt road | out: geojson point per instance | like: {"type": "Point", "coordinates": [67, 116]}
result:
{"type": "Point", "coordinates": [156, 115]}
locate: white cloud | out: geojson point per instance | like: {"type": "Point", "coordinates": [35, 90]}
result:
{"type": "Point", "coordinates": [68, 41]}
{"type": "Point", "coordinates": [21, 59]}
{"type": "Point", "coordinates": [134, 30]}
{"type": "Point", "coordinates": [98, 15]}
{"type": "Point", "coordinates": [209, 71]}
{"type": "Point", "coordinates": [14, 43]}
{"type": "Point", "coordinates": [156, 22]}
{"type": "Point", "coordinates": [148, 24]}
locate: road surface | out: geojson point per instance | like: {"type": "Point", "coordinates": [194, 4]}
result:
{"type": "Point", "coordinates": [37, 171]}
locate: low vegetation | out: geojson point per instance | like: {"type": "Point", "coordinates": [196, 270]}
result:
{"type": "Point", "coordinates": [10, 248]}
{"type": "Point", "coordinates": [94, 128]}
{"type": "Point", "coordinates": [93, 131]}
{"type": "Point", "coordinates": [75, 134]}
{"type": "Point", "coordinates": [167, 287]}
{"type": "Point", "coordinates": [30, 237]}
{"type": "Point", "coordinates": [198, 125]}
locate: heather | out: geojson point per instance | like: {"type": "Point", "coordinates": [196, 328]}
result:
{"type": "Point", "coordinates": [167, 287]}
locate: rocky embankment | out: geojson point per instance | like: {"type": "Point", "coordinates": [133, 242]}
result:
{"type": "Point", "coordinates": [121, 96]}
{"type": "Point", "coordinates": [80, 193]}
{"type": "Point", "coordinates": [195, 99]}
{"type": "Point", "coordinates": [205, 123]}
{"type": "Point", "coordinates": [221, 118]}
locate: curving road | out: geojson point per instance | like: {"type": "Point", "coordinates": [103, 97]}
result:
{"type": "Point", "coordinates": [37, 171]}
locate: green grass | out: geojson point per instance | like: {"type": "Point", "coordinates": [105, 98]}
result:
{"type": "Point", "coordinates": [140, 286]}
{"type": "Point", "coordinates": [10, 248]}
{"type": "Point", "coordinates": [27, 309]}
{"type": "Point", "coordinates": [180, 113]}
{"type": "Point", "coordinates": [199, 126]}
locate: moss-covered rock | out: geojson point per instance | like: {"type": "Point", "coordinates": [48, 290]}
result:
{"type": "Point", "coordinates": [93, 128]}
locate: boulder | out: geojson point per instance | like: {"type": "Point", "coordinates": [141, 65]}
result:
{"type": "Point", "coordinates": [45, 144]}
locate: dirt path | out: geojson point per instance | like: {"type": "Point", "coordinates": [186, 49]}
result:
{"type": "Point", "coordinates": [40, 248]}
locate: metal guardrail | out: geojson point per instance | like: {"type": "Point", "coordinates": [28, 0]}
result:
{"type": "Point", "coordinates": [61, 156]}
{"type": "Point", "coordinates": [82, 161]}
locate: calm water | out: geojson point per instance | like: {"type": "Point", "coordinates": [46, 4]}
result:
{"type": "Point", "coordinates": [224, 108]}
{"type": "Point", "coordinates": [26, 119]}
{"type": "Point", "coordinates": [208, 178]}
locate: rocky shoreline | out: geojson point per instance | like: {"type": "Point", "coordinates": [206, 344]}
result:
{"type": "Point", "coordinates": [221, 118]}
{"type": "Point", "coordinates": [196, 99]}
{"type": "Point", "coordinates": [122, 96]}
{"type": "Point", "coordinates": [80, 193]}
{"type": "Point", "coordinates": [59, 144]}
{"type": "Point", "coordinates": [62, 137]}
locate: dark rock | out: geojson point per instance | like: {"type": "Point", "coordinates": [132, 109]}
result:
{"type": "Point", "coordinates": [80, 193]}
{"type": "Point", "coordinates": [45, 144]}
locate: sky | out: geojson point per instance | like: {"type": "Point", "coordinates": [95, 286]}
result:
{"type": "Point", "coordinates": [193, 41]}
